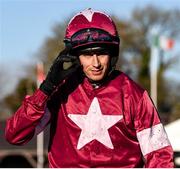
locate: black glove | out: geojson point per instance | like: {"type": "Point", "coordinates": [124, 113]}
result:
{"type": "Point", "coordinates": [63, 66]}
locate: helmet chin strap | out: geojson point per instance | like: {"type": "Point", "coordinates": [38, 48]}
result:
{"type": "Point", "coordinates": [97, 84]}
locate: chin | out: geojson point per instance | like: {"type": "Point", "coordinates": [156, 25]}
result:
{"type": "Point", "coordinates": [96, 78]}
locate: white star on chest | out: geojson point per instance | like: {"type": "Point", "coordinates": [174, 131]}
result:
{"type": "Point", "coordinates": [94, 125]}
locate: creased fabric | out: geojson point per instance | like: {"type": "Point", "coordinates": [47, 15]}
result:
{"type": "Point", "coordinates": [104, 127]}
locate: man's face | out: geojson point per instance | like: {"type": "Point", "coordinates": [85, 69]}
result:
{"type": "Point", "coordinates": [95, 65]}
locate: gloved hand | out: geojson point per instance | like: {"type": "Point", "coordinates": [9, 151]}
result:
{"type": "Point", "coordinates": [63, 66]}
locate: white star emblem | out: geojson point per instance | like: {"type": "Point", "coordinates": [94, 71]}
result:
{"type": "Point", "coordinates": [94, 125]}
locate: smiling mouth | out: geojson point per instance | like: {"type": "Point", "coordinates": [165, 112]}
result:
{"type": "Point", "coordinates": [96, 72]}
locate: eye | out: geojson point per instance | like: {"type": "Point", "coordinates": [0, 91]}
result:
{"type": "Point", "coordinates": [86, 56]}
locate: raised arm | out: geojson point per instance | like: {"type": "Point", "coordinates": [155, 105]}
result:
{"type": "Point", "coordinates": [33, 115]}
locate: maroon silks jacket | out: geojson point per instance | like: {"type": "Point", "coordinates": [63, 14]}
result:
{"type": "Point", "coordinates": [115, 125]}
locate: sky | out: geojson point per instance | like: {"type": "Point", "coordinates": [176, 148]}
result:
{"type": "Point", "coordinates": [25, 24]}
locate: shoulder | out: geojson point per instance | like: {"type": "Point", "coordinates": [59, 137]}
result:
{"type": "Point", "coordinates": [126, 85]}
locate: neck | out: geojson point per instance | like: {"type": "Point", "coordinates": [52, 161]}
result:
{"type": "Point", "coordinates": [97, 84]}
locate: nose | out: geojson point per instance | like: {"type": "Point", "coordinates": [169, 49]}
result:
{"type": "Point", "coordinates": [95, 62]}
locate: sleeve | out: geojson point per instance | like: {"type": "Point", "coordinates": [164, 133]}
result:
{"type": "Point", "coordinates": [154, 143]}
{"type": "Point", "coordinates": [28, 120]}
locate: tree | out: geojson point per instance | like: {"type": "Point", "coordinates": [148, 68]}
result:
{"type": "Point", "coordinates": [52, 45]}
{"type": "Point", "coordinates": [135, 48]}
{"type": "Point", "coordinates": [25, 87]}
